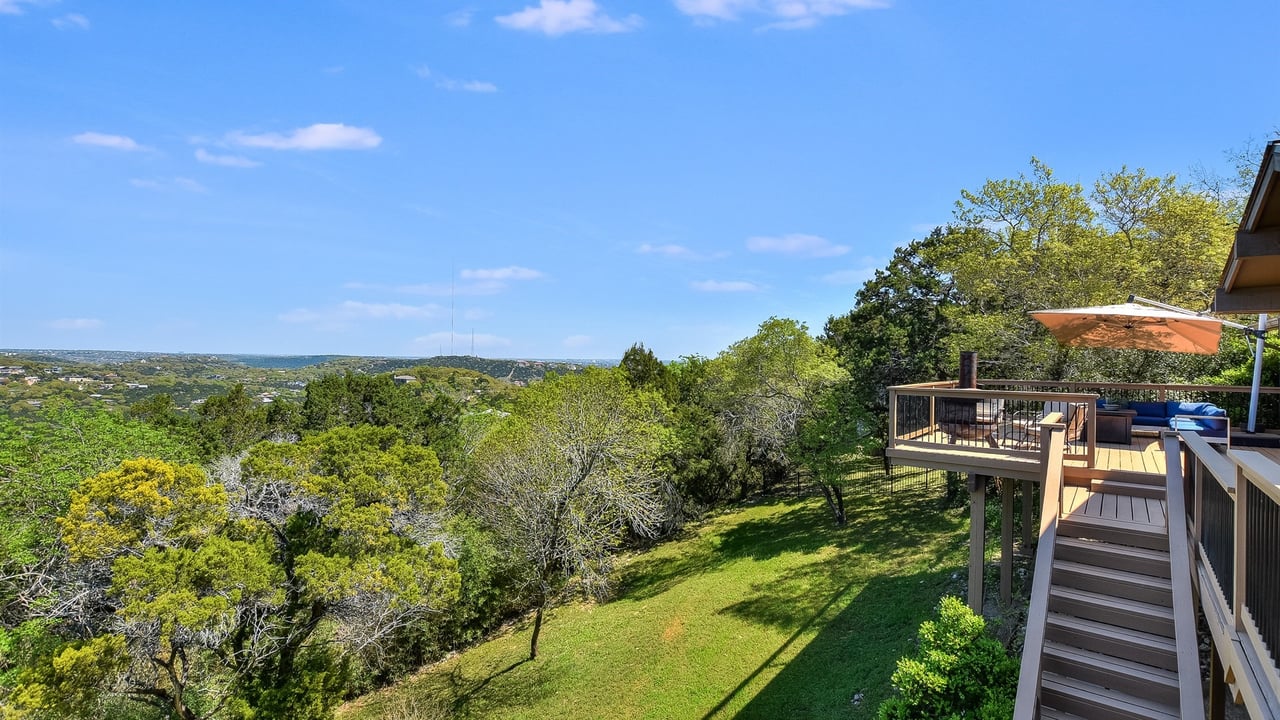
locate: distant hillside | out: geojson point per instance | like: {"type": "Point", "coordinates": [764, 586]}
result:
{"type": "Point", "coordinates": [515, 371]}
{"type": "Point", "coordinates": [280, 362]}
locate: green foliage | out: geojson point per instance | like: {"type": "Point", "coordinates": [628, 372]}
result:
{"type": "Point", "coordinates": [762, 388]}
{"type": "Point", "coordinates": [352, 399]}
{"type": "Point", "coordinates": [958, 671]}
{"type": "Point", "coordinates": [210, 595]}
{"type": "Point", "coordinates": [568, 474]}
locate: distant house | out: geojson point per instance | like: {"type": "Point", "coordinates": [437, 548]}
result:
{"type": "Point", "coordinates": [404, 379]}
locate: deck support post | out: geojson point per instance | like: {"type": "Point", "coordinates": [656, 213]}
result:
{"type": "Point", "coordinates": [977, 539]}
{"type": "Point", "coordinates": [1217, 687]}
{"type": "Point", "coordinates": [1006, 540]}
{"type": "Point", "coordinates": [1028, 496]}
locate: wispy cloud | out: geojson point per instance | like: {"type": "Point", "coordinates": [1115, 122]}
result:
{"type": "Point", "coordinates": [511, 272]}
{"type": "Point", "coordinates": [165, 184]}
{"type": "Point", "coordinates": [864, 270]}
{"type": "Point", "coordinates": [442, 341]}
{"type": "Point", "coordinates": [460, 18]}
{"type": "Point", "coordinates": [678, 252]}
{"type": "Point", "coordinates": [448, 83]}
{"type": "Point", "coordinates": [343, 315]}
{"type": "Point", "coordinates": [668, 250]}
{"type": "Point", "coordinates": [235, 161]}
{"type": "Point", "coordinates": [578, 341]}
{"type": "Point", "coordinates": [76, 324]}
{"type": "Point", "coordinates": [725, 286]}
{"type": "Point", "coordinates": [558, 17]}
{"type": "Point", "coordinates": [115, 142]}
{"type": "Point", "coordinates": [480, 281]}
{"type": "Point", "coordinates": [71, 21]}
{"type": "Point", "coordinates": [781, 14]}
{"type": "Point", "coordinates": [16, 7]}
{"type": "Point", "coordinates": [796, 244]}
{"type": "Point", "coordinates": [320, 136]}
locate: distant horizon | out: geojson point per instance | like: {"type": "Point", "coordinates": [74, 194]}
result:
{"type": "Point", "coordinates": [38, 351]}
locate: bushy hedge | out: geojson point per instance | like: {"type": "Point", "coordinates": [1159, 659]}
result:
{"type": "Point", "coordinates": [958, 671]}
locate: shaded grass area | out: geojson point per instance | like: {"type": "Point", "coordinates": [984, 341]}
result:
{"type": "Point", "coordinates": [764, 611]}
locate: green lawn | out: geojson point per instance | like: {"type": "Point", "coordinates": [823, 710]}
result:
{"type": "Point", "coordinates": [765, 611]}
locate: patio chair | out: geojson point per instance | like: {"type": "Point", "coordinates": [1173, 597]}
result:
{"type": "Point", "coordinates": [1027, 426]}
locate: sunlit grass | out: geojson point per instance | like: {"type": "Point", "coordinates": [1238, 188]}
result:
{"type": "Point", "coordinates": [766, 611]}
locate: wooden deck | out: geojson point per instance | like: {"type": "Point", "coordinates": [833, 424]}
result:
{"type": "Point", "coordinates": [1144, 455]}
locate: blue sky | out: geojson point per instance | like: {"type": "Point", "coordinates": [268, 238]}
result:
{"type": "Point", "coordinates": [555, 178]}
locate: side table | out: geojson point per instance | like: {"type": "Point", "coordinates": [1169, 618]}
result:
{"type": "Point", "coordinates": [1115, 426]}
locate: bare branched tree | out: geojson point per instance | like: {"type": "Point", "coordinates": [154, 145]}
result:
{"type": "Point", "coordinates": [567, 475]}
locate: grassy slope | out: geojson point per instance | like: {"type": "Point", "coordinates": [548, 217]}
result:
{"type": "Point", "coordinates": [763, 612]}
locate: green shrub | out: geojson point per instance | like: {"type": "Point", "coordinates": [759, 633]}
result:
{"type": "Point", "coordinates": [957, 672]}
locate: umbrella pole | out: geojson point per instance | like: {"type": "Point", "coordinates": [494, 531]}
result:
{"type": "Point", "coordinates": [1257, 373]}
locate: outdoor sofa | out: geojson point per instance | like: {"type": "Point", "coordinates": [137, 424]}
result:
{"type": "Point", "coordinates": [1205, 418]}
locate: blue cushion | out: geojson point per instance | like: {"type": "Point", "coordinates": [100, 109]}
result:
{"type": "Point", "coordinates": [1202, 409]}
{"type": "Point", "coordinates": [1150, 420]}
{"type": "Point", "coordinates": [1149, 410]}
{"type": "Point", "coordinates": [1207, 427]}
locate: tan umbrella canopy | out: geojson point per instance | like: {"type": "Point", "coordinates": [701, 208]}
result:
{"type": "Point", "coordinates": [1131, 326]}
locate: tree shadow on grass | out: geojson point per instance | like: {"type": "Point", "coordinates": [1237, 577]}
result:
{"type": "Point", "coordinates": [845, 670]}
{"type": "Point", "coordinates": [886, 524]}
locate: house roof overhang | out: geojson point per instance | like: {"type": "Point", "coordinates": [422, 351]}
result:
{"type": "Point", "coordinates": [1251, 279]}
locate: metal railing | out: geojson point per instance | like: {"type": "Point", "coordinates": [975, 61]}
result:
{"type": "Point", "coordinates": [999, 422]}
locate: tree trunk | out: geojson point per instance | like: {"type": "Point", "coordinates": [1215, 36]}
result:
{"type": "Point", "coordinates": [537, 629]}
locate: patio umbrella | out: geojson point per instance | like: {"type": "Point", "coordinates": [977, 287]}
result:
{"type": "Point", "coordinates": [1132, 326]}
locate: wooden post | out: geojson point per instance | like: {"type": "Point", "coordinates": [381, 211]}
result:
{"type": "Point", "coordinates": [1217, 686]}
{"type": "Point", "coordinates": [968, 370]}
{"type": "Point", "coordinates": [1028, 496]}
{"type": "Point", "coordinates": [977, 539]}
{"type": "Point", "coordinates": [1006, 541]}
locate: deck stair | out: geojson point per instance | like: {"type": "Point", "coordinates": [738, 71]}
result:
{"type": "Point", "coordinates": [1104, 624]}
{"type": "Point", "coordinates": [1109, 649]}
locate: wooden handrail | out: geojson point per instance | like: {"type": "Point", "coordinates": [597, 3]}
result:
{"type": "Point", "coordinates": [1190, 697]}
{"type": "Point", "coordinates": [1028, 698]}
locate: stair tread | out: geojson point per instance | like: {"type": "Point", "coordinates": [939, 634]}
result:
{"type": "Point", "coordinates": [1110, 663]}
{"type": "Point", "coordinates": [1122, 576]}
{"type": "Point", "coordinates": [1136, 607]}
{"type": "Point", "coordinates": [1103, 546]}
{"type": "Point", "coordinates": [1052, 714]}
{"type": "Point", "coordinates": [1112, 523]}
{"type": "Point", "coordinates": [1117, 486]}
{"type": "Point", "coordinates": [1115, 701]}
{"type": "Point", "coordinates": [1093, 627]}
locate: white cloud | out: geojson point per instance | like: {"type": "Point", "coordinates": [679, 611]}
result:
{"type": "Point", "coordinates": [14, 7]}
{"type": "Point", "coordinates": [71, 21]}
{"type": "Point", "coordinates": [783, 14]}
{"type": "Point", "coordinates": [797, 244]}
{"type": "Point", "coordinates": [177, 183]}
{"type": "Point", "coordinates": [863, 272]}
{"type": "Point", "coordinates": [476, 314]}
{"type": "Point", "coordinates": [437, 341]}
{"type": "Point", "coordinates": [115, 142]}
{"type": "Point", "coordinates": [670, 250]}
{"type": "Point", "coordinates": [334, 70]}
{"type": "Point", "coordinates": [76, 324]}
{"type": "Point", "coordinates": [346, 313]}
{"type": "Point", "coordinates": [447, 83]}
{"type": "Point", "coordinates": [513, 272]}
{"type": "Point", "coordinates": [557, 17]}
{"type": "Point", "coordinates": [320, 136]}
{"type": "Point", "coordinates": [397, 311]}
{"type": "Point", "coordinates": [459, 18]}
{"type": "Point", "coordinates": [578, 341]}
{"type": "Point", "coordinates": [724, 286]}
{"type": "Point", "coordinates": [475, 86]}
{"type": "Point", "coordinates": [235, 161]}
